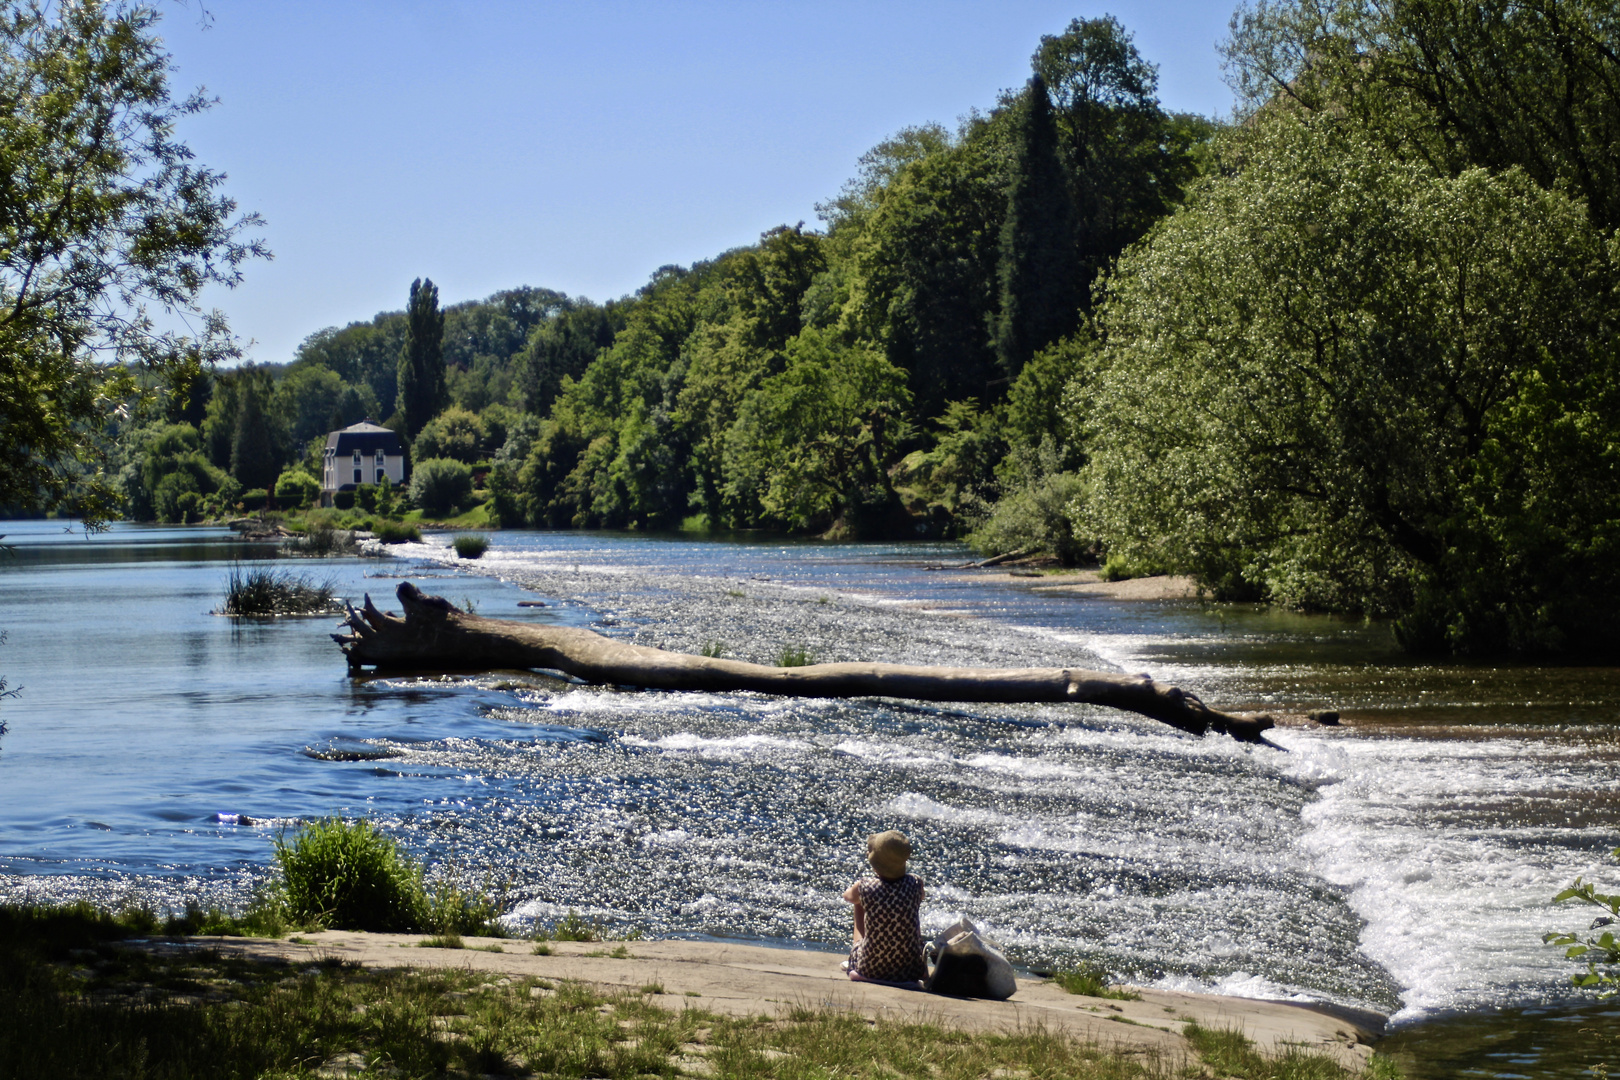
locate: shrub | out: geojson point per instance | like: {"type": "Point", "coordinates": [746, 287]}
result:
{"type": "Point", "coordinates": [455, 433]}
{"type": "Point", "coordinates": [295, 487]}
{"type": "Point", "coordinates": [471, 545]}
{"type": "Point", "coordinates": [265, 590]}
{"type": "Point", "coordinates": [1092, 981]}
{"type": "Point", "coordinates": [343, 500]}
{"type": "Point", "coordinates": [439, 485]}
{"type": "Point", "coordinates": [350, 877]}
{"type": "Point", "coordinates": [1035, 517]}
{"type": "Point", "coordinates": [396, 532]}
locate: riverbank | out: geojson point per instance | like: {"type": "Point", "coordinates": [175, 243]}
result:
{"type": "Point", "coordinates": [738, 980]}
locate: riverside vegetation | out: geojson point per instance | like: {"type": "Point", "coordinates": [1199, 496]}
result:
{"type": "Point", "coordinates": [1386, 380]}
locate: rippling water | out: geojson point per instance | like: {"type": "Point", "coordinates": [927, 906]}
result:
{"type": "Point", "coordinates": [1402, 863]}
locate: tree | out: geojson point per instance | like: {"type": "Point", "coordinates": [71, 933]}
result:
{"type": "Point", "coordinates": [1127, 161]}
{"type": "Point", "coordinates": [439, 485]}
{"type": "Point", "coordinates": [454, 433]}
{"type": "Point", "coordinates": [1453, 83]}
{"type": "Point", "coordinates": [254, 461]}
{"type": "Point", "coordinates": [924, 269]}
{"type": "Point", "coordinates": [1344, 382]}
{"type": "Point", "coordinates": [421, 358]}
{"type": "Point", "coordinates": [1040, 288]}
{"type": "Point", "coordinates": [815, 442]}
{"type": "Point", "coordinates": [105, 220]}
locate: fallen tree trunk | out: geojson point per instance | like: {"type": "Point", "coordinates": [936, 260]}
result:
{"type": "Point", "coordinates": [434, 635]}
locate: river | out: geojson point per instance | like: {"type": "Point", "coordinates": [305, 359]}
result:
{"type": "Point", "coordinates": [1402, 862]}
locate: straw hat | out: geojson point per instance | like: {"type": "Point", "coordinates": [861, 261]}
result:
{"type": "Point", "coordinates": [888, 852]}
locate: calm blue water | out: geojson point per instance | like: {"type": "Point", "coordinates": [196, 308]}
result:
{"type": "Point", "coordinates": [1401, 864]}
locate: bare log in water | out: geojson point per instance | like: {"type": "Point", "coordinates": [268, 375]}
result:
{"type": "Point", "coordinates": [434, 635]}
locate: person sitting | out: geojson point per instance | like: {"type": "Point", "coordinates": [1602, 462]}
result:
{"type": "Point", "coordinates": [888, 932]}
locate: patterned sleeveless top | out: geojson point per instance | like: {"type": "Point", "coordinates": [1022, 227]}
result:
{"type": "Point", "coordinates": [892, 949]}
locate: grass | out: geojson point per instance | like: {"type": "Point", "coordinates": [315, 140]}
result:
{"type": "Point", "coordinates": [266, 591]}
{"type": "Point", "coordinates": [79, 1003]}
{"type": "Point", "coordinates": [442, 941]}
{"type": "Point", "coordinates": [470, 545]}
{"type": "Point", "coordinates": [714, 649]}
{"type": "Point", "coordinates": [1093, 981]}
{"type": "Point", "coordinates": [396, 532]}
{"type": "Point", "coordinates": [350, 876]}
{"type": "Point", "coordinates": [572, 927]}
{"type": "Point", "coordinates": [795, 656]}
{"type": "Point", "coordinates": [321, 538]}
{"type": "Point", "coordinates": [1230, 1053]}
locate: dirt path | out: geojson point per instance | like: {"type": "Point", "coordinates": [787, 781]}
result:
{"type": "Point", "coordinates": [750, 980]}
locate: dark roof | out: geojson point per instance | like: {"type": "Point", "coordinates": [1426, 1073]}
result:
{"type": "Point", "coordinates": [365, 437]}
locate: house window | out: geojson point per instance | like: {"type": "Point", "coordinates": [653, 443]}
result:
{"type": "Point", "coordinates": [381, 475]}
{"type": "Point", "coordinates": [357, 476]}
{"type": "Point", "coordinates": [379, 459]}
{"type": "Point", "coordinates": [357, 459]}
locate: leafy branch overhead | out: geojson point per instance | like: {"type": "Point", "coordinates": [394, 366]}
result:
{"type": "Point", "coordinates": [107, 227]}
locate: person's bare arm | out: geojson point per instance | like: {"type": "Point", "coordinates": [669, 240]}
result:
{"type": "Point", "coordinates": [853, 895]}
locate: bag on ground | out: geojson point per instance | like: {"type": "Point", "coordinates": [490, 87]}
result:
{"type": "Point", "coordinates": [968, 966]}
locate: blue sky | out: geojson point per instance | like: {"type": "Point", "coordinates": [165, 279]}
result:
{"type": "Point", "coordinates": [579, 146]}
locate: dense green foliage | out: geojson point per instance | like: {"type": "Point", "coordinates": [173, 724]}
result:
{"type": "Point", "coordinates": [439, 485]}
{"type": "Point", "coordinates": [1357, 353]}
{"type": "Point", "coordinates": [1039, 275]}
{"type": "Point", "coordinates": [422, 391]}
{"type": "Point", "coordinates": [1372, 366]}
{"type": "Point", "coordinates": [103, 216]}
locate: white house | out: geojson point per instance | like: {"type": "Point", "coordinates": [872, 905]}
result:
{"type": "Point", "coordinates": [362, 453]}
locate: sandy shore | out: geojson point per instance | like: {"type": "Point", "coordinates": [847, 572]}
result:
{"type": "Point", "coordinates": [1090, 583]}
{"type": "Point", "coordinates": [750, 980]}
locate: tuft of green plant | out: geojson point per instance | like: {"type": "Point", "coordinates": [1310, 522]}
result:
{"type": "Point", "coordinates": [442, 941]}
{"type": "Point", "coordinates": [795, 656]}
{"type": "Point", "coordinates": [350, 876]}
{"type": "Point", "coordinates": [713, 649]}
{"type": "Point", "coordinates": [396, 532]}
{"type": "Point", "coordinates": [1119, 568]}
{"type": "Point", "coordinates": [572, 927]}
{"type": "Point", "coordinates": [541, 949]}
{"type": "Point", "coordinates": [653, 988]}
{"type": "Point", "coordinates": [266, 591]}
{"type": "Point", "coordinates": [452, 909]}
{"type": "Point", "coordinates": [1091, 980]}
{"type": "Point", "coordinates": [470, 545]}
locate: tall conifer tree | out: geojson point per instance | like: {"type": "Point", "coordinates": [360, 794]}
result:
{"type": "Point", "coordinates": [1040, 283]}
{"type": "Point", "coordinates": [253, 452]}
{"type": "Point", "coordinates": [422, 391]}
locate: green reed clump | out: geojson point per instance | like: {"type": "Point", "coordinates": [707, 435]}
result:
{"type": "Point", "coordinates": [1092, 980]}
{"type": "Point", "coordinates": [396, 532]}
{"type": "Point", "coordinates": [265, 590]}
{"type": "Point", "coordinates": [470, 545]}
{"type": "Point", "coordinates": [795, 656]}
{"type": "Point", "coordinates": [350, 876]}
